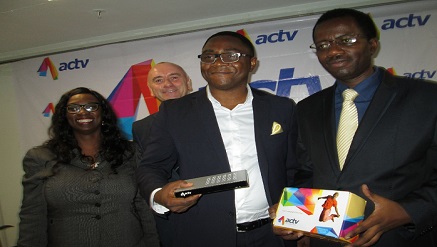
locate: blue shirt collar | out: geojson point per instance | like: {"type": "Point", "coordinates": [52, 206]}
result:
{"type": "Point", "coordinates": [365, 89]}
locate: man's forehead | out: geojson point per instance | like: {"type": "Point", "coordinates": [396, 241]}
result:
{"type": "Point", "coordinates": [162, 74]}
{"type": "Point", "coordinates": [339, 22]}
{"type": "Point", "coordinates": [232, 49]}
{"type": "Point", "coordinates": [228, 43]}
{"type": "Point", "coordinates": [166, 70]}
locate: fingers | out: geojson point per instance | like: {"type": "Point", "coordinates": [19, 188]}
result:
{"type": "Point", "coordinates": [387, 215]}
{"type": "Point", "coordinates": [272, 211]}
{"type": "Point", "coordinates": [362, 227]}
{"type": "Point", "coordinates": [366, 191]}
{"type": "Point", "coordinates": [366, 239]}
{"type": "Point", "coordinates": [303, 242]}
{"type": "Point", "coordinates": [184, 184]}
{"type": "Point", "coordinates": [287, 234]}
{"type": "Point", "coordinates": [166, 197]}
{"type": "Point", "coordinates": [180, 205]}
{"type": "Point", "coordinates": [373, 240]}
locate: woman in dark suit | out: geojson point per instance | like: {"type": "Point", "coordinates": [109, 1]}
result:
{"type": "Point", "coordinates": [79, 186]}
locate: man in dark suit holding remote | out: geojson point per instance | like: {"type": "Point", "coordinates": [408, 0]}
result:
{"type": "Point", "coordinates": [227, 126]}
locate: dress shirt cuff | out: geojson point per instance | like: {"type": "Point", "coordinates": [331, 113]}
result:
{"type": "Point", "coordinates": [158, 208]}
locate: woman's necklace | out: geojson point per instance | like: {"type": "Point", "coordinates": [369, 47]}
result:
{"type": "Point", "coordinates": [92, 161]}
{"type": "Point", "coordinates": [94, 165]}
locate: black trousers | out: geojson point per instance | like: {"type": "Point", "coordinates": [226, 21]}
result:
{"type": "Point", "coordinates": [262, 237]}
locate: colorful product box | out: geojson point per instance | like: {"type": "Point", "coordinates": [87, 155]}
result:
{"type": "Point", "coordinates": [326, 214]}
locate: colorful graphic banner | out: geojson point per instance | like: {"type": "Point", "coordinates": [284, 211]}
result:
{"type": "Point", "coordinates": [287, 66]}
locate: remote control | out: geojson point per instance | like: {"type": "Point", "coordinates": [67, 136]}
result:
{"type": "Point", "coordinates": [215, 183]}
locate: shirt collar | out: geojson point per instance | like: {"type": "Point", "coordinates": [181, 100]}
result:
{"type": "Point", "coordinates": [366, 88]}
{"type": "Point", "coordinates": [211, 98]}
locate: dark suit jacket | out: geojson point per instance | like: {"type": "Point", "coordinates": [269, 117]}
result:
{"type": "Point", "coordinates": [140, 132]}
{"type": "Point", "coordinates": [394, 152]}
{"type": "Point", "coordinates": [186, 134]}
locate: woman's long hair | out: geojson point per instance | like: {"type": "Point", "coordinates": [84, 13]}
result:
{"type": "Point", "coordinates": [114, 147]}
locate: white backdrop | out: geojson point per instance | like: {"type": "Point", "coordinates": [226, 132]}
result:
{"type": "Point", "coordinates": [287, 66]}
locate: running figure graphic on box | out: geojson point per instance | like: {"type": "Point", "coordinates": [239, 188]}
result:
{"type": "Point", "coordinates": [327, 205]}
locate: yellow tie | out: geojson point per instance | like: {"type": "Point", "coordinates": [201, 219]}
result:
{"type": "Point", "coordinates": [347, 125]}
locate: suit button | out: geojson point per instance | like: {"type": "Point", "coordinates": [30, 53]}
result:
{"type": "Point", "coordinates": [98, 217]}
{"type": "Point", "coordinates": [98, 205]}
{"type": "Point", "coordinates": [97, 192]}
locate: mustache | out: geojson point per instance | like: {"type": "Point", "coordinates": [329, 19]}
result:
{"type": "Point", "coordinates": [336, 58]}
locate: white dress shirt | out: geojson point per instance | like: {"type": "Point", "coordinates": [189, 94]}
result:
{"type": "Point", "coordinates": [238, 133]}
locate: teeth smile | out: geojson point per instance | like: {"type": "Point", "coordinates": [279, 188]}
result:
{"type": "Point", "coordinates": [84, 120]}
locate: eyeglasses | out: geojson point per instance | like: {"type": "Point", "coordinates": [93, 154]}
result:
{"type": "Point", "coordinates": [90, 107]}
{"type": "Point", "coordinates": [227, 57]}
{"type": "Point", "coordinates": [341, 41]}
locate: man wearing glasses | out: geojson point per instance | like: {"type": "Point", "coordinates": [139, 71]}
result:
{"type": "Point", "coordinates": [227, 126]}
{"type": "Point", "coordinates": [391, 157]}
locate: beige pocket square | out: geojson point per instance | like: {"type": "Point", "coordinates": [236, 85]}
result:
{"type": "Point", "coordinates": [276, 128]}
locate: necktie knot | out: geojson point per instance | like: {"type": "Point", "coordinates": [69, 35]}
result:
{"type": "Point", "coordinates": [349, 95]}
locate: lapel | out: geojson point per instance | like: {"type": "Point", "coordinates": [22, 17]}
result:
{"type": "Point", "coordinates": [381, 101]}
{"type": "Point", "coordinates": [329, 129]}
{"type": "Point", "coordinates": [209, 127]}
{"type": "Point", "coordinates": [262, 124]}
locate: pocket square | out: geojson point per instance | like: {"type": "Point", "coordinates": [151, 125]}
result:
{"type": "Point", "coordinates": [276, 128]}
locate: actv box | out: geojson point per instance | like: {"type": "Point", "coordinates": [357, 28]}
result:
{"type": "Point", "coordinates": [326, 214]}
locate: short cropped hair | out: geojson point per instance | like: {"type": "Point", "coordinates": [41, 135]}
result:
{"type": "Point", "coordinates": [364, 21]}
{"type": "Point", "coordinates": [242, 38]}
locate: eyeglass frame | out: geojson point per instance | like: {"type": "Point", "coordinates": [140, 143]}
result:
{"type": "Point", "coordinates": [82, 107]}
{"type": "Point", "coordinates": [337, 42]}
{"type": "Point", "coordinates": [239, 54]}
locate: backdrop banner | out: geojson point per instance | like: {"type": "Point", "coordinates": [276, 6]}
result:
{"type": "Point", "coordinates": [287, 66]}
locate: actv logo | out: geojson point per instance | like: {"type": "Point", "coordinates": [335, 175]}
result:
{"type": "Point", "coordinates": [281, 220]}
{"type": "Point", "coordinates": [423, 74]}
{"type": "Point", "coordinates": [279, 36]}
{"type": "Point", "coordinates": [47, 64]}
{"type": "Point", "coordinates": [284, 220]}
{"type": "Point", "coordinates": [403, 22]}
{"type": "Point", "coordinates": [49, 109]}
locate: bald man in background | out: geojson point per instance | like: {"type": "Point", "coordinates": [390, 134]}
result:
{"type": "Point", "coordinates": [166, 81]}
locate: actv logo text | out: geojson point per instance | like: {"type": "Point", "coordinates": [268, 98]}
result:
{"type": "Point", "coordinates": [47, 64]}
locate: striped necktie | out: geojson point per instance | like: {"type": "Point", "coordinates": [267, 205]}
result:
{"type": "Point", "coordinates": [347, 125]}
